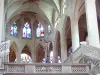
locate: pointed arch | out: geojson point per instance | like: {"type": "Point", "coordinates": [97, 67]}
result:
{"type": "Point", "coordinates": [13, 50]}
{"type": "Point", "coordinates": [68, 35]}
{"type": "Point", "coordinates": [26, 56]}
{"type": "Point", "coordinates": [14, 29]}
{"type": "Point", "coordinates": [40, 30]}
{"type": "Point", "coordinates": [26, 50]}
{"type": "Point", "coordinates": [40, 53]}
{"type": "Point", "coordinates": [18, 8]}
{"type": "Point", "coordinates": [58, 45]}
{"type": "Point", "coordinates": [26, 31]}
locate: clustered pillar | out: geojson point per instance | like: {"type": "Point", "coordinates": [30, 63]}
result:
{"type": "Point", "coordinates": [92, 25]}
{"type": "Point", "coordinates": [55, 53]}
{"type": "Point", "coordinates": [63, 41]}
{"type": "Point", "coordinates": [75, 35]}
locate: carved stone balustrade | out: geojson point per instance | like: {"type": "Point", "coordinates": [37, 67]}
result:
{"type": "Point", "coordinates": [4, 53]}
{"type": "Point", "coordinates": [46, 68]}
{"type": "Point", "coordinates": [4, 48]}
{"type": "Point", "coordinates": [83, 50]}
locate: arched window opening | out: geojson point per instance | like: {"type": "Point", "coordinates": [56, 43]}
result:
{"type": "Point", "coordinates": [68, 35]}
{"type": "Point", "coordinates": [40, 54]}
{"type": "Point", "coordinates": [25, 58]}
{"type": "Point", "coordinates": [59, 59]}
{"type": "Point", "coordinates": [40, 31]}
{"type": "Point", "coordinates": [26, 30]}
{"type": "Point", "coordinates": [51, 57]}
{"type": "Point", "coordinates": [58, 46]}
{"type": "Point", "coordinates": [82, 26]}
{"type": "Point", "coordinates": [13, 29]}
{"type": "Point", "coordinates": [12, 53]}
{"type": "Point", "coordinates": [26, 55]}
{"type": "Point", "coordinates": [49, 29]}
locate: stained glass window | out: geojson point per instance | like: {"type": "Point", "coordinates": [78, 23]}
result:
{"type": "Point", "coordinates": [25, 58]}
{"type": "Point", "coordinates": [13, 29]}
{"type": "Point", "coordinates": [40, 31]}
{"type": "Point", "coordinates": [26, 31]}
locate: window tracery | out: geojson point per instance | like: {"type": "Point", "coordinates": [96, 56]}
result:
{"type": "Point", "coordinates": [26, 31]}
{"type": "Point", "coordinates": [40, 31]}
{"type": "Point", "coordinates": [13, 29]}
{"type": "Point", "coordinates": [25, 58]}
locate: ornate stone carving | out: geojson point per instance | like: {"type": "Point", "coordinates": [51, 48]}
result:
{"type": "Point", "coordinates": [78, 69]}
{"type": "Point", "coordinates": [16, 69]}
{"type": "Point", "coordinates": [48, 69]}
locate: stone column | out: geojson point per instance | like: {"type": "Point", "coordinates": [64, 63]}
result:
{"type": "Point", "coordinates": [45, 54]}
{"type": "Point", "coordinates": [63, 40]}
{"type": "Point", "coordinates": [92, 25]}
{"type": "Point", "coordinates": [45, 49]}
{"type": "Point", "coordinates": [55, 56]}
{"type": "Point", "coordinates": [33, 56]}
{"type": "Point", "coordinates": [18, 57]}
{"type": "Point", "coordinates": [6, 58]}
{"type": "Point", "coordinates": [1, 19]}
{"type": "Point", "coordinates": [75, 35]}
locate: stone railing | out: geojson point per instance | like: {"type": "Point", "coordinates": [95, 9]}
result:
{"type": "Point", "coordinates": [90, 51]}
{"type": "Point", "coordinates": [4, 48]}
{"type": "Point", "coordinates": [4, 53]}
{"type": "Point", "coordinates": [95, 64]}
{"type": "Point", "coordinates": [74, 56]}
{"type": "Point", "coordinates": [83, 50]}
{"type": "Point", "coordinates": [46, 68]}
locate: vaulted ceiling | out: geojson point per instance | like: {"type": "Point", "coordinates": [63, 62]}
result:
{"type": "Point", "coordinates": [43, 8]}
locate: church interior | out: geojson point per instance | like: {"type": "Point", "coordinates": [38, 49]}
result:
{"type": "Point", "coordinates": [50, 37]}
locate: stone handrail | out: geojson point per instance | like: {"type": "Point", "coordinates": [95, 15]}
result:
{"type": "Point", "coordinates": [46, 68]}
{"type": "Point", "coordinates": [4, 52]}
{"type": "Point", "coordinates": [70, 58]}
{"type": "Point", "coordinates": [83, 50]}
{"type": "Point", "coordinates": [4, 48]}
{"type": "Point", "coordinates": [95, 64]}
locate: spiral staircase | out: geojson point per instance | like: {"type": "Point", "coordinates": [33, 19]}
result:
{"type": "Point", "coordinates": [84, 61]}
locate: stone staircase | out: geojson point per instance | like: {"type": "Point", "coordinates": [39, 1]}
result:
{"type": "Point", "coordinates": [86, 54]}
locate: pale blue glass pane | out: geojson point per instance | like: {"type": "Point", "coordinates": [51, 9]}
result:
{"type": "Point", "coordinates": [15, 31]}
{"type": "Point", "coordinates": [38, 32]}
{"type": "Point", "coordinates": [28, 32]}
{"type": "Point", "coordinates": [24, 32]}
